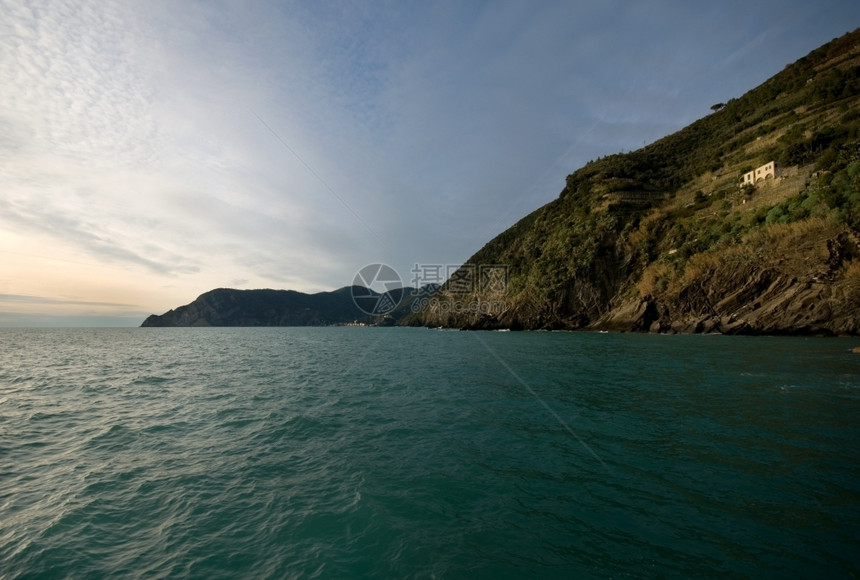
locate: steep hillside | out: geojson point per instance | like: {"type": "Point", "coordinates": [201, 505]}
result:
{"type": "Point", "coordinates": [668, 238]}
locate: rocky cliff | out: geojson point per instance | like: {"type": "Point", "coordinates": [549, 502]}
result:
{"type": "Point", "coordinates": [802, 279]}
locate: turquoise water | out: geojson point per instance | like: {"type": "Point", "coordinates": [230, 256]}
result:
{"type": "Point", "coordinates": [412, 453]}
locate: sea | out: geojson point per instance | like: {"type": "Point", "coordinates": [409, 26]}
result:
{"type": "Point", "coordinates": [350, 452]}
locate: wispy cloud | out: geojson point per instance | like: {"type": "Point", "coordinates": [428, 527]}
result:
{"type": "Point", "coordinates": [25, 299]}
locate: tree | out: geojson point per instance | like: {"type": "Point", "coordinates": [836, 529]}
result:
{"type": "Point", "coordinates": [717, 107]}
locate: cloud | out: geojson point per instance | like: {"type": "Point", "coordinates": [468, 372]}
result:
{"type": "Point", "coordinates": [40, 216]}
{"type": "Point", "coordinates": [135, 153]}
{"type": "Point", "coordinates": [71, 82]}
{"type": "Point", "coordinates": [24, 299]}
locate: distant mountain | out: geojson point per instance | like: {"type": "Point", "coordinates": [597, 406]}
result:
{"type": "Point", "coordinates": [699, 231]}
{"type": "Point", "coordinates": [229, 307]}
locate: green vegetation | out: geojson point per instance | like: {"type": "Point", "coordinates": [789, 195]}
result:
{"type": "Point", "coordinates": [636, 223]}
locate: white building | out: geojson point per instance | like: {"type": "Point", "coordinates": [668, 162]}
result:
{"type": "Point", "coordinates": [766, 171]}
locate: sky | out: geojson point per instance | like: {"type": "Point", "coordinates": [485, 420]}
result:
{"type": "Point", "coordinates": [153, 150]}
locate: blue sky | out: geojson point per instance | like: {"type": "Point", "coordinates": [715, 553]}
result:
{"type": "Point", "coordinates": [153, 150]}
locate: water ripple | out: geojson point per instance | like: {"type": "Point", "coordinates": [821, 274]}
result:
{"type": "Point", "coordinates": [330, 453]}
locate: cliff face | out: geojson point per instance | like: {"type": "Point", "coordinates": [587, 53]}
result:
{"type": "Point", "coordinates": [669, 238]}
{"type": "Point", "coordinates": [796, 279]}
